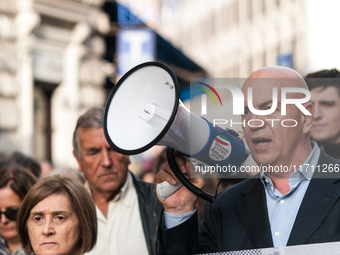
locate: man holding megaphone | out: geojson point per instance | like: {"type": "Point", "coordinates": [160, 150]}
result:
{"type": "Point", "coordinates": [293, 200]}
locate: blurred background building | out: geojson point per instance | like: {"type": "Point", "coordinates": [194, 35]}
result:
{"type": "Point", "coordinates": [232, 38]}
{"type": "Point", "coordinates": [51, 69]}
{"type": "Point", "coordinates": [59, 58]}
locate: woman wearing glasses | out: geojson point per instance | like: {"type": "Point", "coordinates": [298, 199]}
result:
{"type": "Point", "coordinates": [15, 182]}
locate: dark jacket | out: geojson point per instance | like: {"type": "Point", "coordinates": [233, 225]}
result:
{"type": "Point", "coordinates": [238, 219]}
{"type": "Point", "coordinates": [332, 149]}
{"type": "Point", "coordinates": [150, 209]}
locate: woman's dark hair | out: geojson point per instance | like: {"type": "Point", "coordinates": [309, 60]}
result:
{"type": "Point", "coordinates": [80, 200]}
{"type": "Point", "coordinates": [20, 159]}
{"type": "Point", "coordinates": [17, 178]}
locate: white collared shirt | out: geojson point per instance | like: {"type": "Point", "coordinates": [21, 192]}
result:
{"type": "Point", "coordinates": [122, 231]}
{"type": "Point", "coordinates": [283, 209]}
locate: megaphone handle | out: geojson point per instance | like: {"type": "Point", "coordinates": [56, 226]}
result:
{"type": "Point", "coordinates": [165, 189]}
{"type": "Point", "coordinates": [186, 183]}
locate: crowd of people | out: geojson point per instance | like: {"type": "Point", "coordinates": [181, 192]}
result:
{"type": "Point", "coordinates": [105, 209]}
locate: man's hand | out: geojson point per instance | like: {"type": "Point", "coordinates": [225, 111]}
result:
{"type": "Point", "coordinates": [182, 200]}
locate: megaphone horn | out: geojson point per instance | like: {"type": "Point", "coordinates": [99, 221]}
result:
{"type": "Point", "coordinates": [144, 109]}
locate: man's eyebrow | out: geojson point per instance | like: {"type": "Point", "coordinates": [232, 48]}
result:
{"type": "Point", "coordinates": [91, 149]}
{"type": "Point", "coordinates": [263, 104]}
{"type": "Point", "coordinates": [266, 103]}
{"type": "Point", "coordinates": [327, 102]}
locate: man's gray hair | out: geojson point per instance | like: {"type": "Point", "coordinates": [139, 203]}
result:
{"type": "Point", "coordinates": [93, 118]}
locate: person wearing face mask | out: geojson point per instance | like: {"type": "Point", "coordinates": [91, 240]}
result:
{"type": "Point", "coordinates": [15, 182]}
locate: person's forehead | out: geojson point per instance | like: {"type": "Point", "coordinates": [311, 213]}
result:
{"type": "Point", "coordinates": [262, 83]}
{"type": "Point", "coordinates": [91, 135]}
{"type": "Point", "coordinates": [58, 200]}
{"type": "Point", "coordinates": [262, 89]}
{"type": "Point", "coordinates": [87, 130]}
{"type": "Point", "coordinates": [327, 94]}
{"type": "Point", "coordinates": [9, 197]}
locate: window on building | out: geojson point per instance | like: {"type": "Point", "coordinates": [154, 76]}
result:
{"type": "Point", "coordinates": [250, 65]}
{"type": "Point", "coordinates": [43, 119]}
{"type": "Point", "coordinates": [235, 12]}
{"type": "Point", "coordinates": [249, 9]}
{"type": "Point", "coordinates": [263, 6]}
{"type": "Point", "coordinates": [278, 49]}
{"type": "Point", "coordinates": [294, 51]}
{"type": "Point", "coordinates": [212, 24]}
{"type": "Point", "coordinates": [264, 58]}
{"type": "Point", "coordinates": [225, 15]}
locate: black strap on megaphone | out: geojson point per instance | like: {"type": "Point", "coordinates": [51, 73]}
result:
{"type": "Point", "coordinates": [186, 183]}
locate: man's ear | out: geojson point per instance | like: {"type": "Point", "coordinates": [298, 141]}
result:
{"type": "Point", "coordinates": [78, 160]}
{"type": "Point", "coordinates": [308, 119]}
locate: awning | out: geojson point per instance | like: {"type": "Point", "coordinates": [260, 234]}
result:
{"type": "Point", "coordinates": [183, 67]}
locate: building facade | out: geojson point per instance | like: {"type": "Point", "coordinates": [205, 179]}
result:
{"type": "Point", "coordinates": [232, 38]}
{"type": "Point", "coordinates": [51, 71]}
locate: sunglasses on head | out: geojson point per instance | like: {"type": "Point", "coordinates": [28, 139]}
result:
{"type": "Point", "coordinates": [10, 214]}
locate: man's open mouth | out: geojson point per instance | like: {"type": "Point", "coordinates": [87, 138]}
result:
{"type": "Point", "coordinates": [261, 142]}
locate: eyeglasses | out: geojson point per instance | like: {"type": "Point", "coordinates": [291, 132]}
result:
{"type": "Point", "coordinates": [10, 214]}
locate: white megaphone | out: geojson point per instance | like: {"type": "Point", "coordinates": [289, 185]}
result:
{"type": "Point", "coordinates": [144, 109]}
